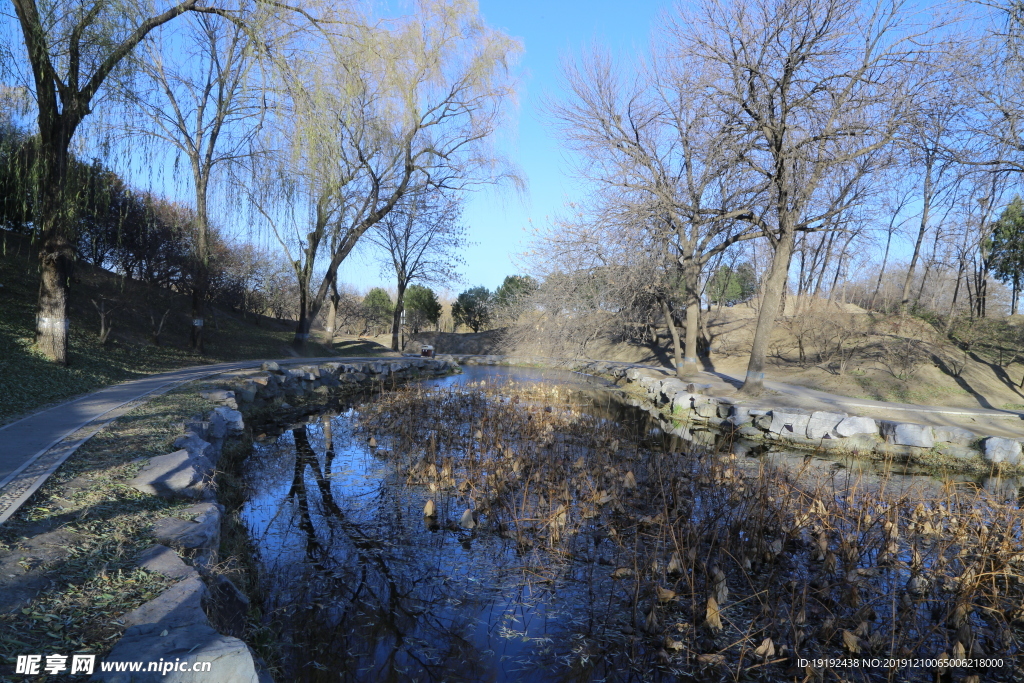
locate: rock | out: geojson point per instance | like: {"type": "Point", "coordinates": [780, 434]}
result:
{"type": "Point", "coordinates": [179, 606]}
{"type": "Point", "coordinates": [270, 366]}
{"type": "Point", "coordinates": [763, 421]}
{"type": "Point", "coordinates": [633, 374]}
{"type": "Point", "coordinates": [998, 449]}
{"type": "Point", "coordinates": [909, 434]}
{"type": "Point", "coordinates": [694, 388]}
{"type": "Point", "coordinates": [200, 427]}
{"type": "Point", "coordinates": [791, 422]}
{"type": "Point", "coordinates": [706, 407]}
{"type": "Point", "coordinates": [954, 435]}
{"type": "Point", "coordinates": [196, 447]}
{"type": "Point", "coordinates": [225, 421]}
{"type": "Point", "coordinates": [821, 424]}
{"type": "Point", "coordinates": [246, 392]}
{"type": "Point", "coordinates": [467, 520]}
{"type": "Point", "coordinates": [175, 475]}
{"type": "Point", "coordinates": [163, 560]}
{"type": "Point", "coordinates": [201, 533]}
{"type": "Point", "coordinates": [173, 627]}
{"type": "Point", "coordinates": [227, 606]}
{"type": "Point", "coordinates": [682, 403]}
{"type": "Point", "coordinates": [671, 388]}
{"type": "Point", "coordinates": [856, 425]}
{"type": "Point", "coordinates": [739, 416]}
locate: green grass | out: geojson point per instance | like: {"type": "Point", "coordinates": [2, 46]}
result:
{"type": "Point", "coordinates": [29, 381]}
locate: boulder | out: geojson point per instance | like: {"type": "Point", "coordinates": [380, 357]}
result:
{"type": "Point", "coordinates": [179, 606]}
{"type": "Point", "coordinates": [789, 423]}
{"type": "Point", "coordinates": [739, 416]}
{"type": "Point", "coordinates": [706, 407]}
{"type": "Point", "coordinates": [682, 403]}
{"type": "Point", "coordinates": [196, 446]}
{"type": "Point", "coordinates": [998, 449]}
{"type": "Point", "coordinates": [633, 374]}
{"type": "Point", "coordinates": [954, 435]}
{"type": "Point", "coordinates": [821, 424]}
{"type": "Point", "coordinates": [173, 627]}
{"type": "Point", "coordinates": [225, 421]}
{"type": "Point", "coordinates": [270, 366]}
{"type": "Point", "coordinates": [853, 425]}
{"type": "Point", "coordinates": [957, 451]}
{"type": "Point", "coordinates": [246, 392]}
{"type": "Point", "coordinates": [671, 388]}
{"type": "Point", "coordinates": [909, 434]}
{"type": "Point", "coordinates": [200, 530]}
{"type": "Point", "coordinates": [162, 560]}
{"type": "Point", "coordinates": [175, 475]}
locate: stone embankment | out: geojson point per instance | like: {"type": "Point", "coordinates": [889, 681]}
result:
{"type": "Point", "coordinates": [177, 624]}
{"type": "Point", "coordinates": [687, 405]}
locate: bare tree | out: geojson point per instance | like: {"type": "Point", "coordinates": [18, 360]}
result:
{"type": "Point", "coordinates": [420, 240]}
{"type": "Point", "coordinates": [205, 112]}
{"type": "Point", "coordinates": [818, 88]}
{"type": "Point", "coordinates": [667, 163]}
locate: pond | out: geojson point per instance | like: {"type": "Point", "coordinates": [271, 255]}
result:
{"type": "Point", "coordinates": [570, 537]}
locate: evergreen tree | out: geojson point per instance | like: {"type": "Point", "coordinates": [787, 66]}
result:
{"type": "Point", "coordinates": [1007, 249]}
{"type": "Point", "coordinates": [422, 307]}
{"type": "Point", "coordinates": [473, 308]}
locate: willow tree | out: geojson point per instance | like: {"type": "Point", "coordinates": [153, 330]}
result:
{"type": "Point", "coordinates": [819, 89]}
{"type": "Point", "coordinates": [376, 113]}
{"type": "Point", "coordinates": [203, 109]}
{"type": "Point", "coordinates": [72, 48]}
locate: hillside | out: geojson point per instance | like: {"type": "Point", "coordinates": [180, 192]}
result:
{"type": "Point", "coordinates": [28, 381]}
{"type": "Point", "coordinates": [887, 358]}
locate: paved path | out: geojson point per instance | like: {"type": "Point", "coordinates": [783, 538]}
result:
{"type": "Point", "coordinates": [32, 448]}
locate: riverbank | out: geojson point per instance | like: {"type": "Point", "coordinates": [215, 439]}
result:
{"type": "Point", "coordinates": [811, 422]}
{"type": "Point", "coordinates": [79, 564]}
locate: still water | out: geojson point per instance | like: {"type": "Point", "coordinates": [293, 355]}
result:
{"type": "Point", "coordinates": [361, 587]}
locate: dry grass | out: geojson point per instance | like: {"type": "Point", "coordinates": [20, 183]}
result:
{"type": "Point", "coordinates": [705, 561]}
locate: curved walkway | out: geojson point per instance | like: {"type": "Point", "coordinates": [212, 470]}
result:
{"type": "Point", "coordinates": [32, 448]}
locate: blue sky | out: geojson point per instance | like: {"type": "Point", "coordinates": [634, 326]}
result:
{"type": "Point", "coordinates": [498, 222]}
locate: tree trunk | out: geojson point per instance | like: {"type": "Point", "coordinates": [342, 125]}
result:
{"type": "Point", "coordinates": [674, 332]}
{"type": "Point", "coordinates": [881, 272]}
{"type": "Point", "coordinates": [304, 322]}
{"type": "Point", "coordinates": [396, 319]}
{"type": "Point", "coordinates": [56, 258]}
{"type": "Point", "coordinates": [926, 195]}
{"type": "Point", "coordinates": [200, 285]}
{"type": "Point", "coordinates": [775, 286]}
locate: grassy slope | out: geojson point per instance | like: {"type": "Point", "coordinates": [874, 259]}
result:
{"type": "Point", "coordinates": [28, 381]}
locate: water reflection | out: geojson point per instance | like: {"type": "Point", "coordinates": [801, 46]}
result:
{"type": "Point", "coordinates": [363, 588]}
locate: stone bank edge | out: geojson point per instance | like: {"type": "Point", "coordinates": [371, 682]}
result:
{"type": "Point", "coordinates": [176, 624]}
{"type": "Point", "coordinates": [686, 404]}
